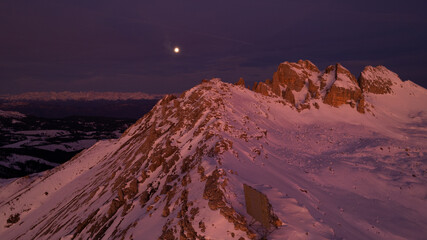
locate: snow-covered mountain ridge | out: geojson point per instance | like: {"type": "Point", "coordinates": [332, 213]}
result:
{"type": "Point", "coordinates": [178, 173]}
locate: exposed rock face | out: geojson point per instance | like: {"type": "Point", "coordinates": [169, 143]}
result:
{"type": "Point", "coordinates": [301, 84]}
{"type": "Point", "coordinates": [294, 75]}
{"type": "Point", "coordinates": [340, 70]}
{"type": "Point", "coordinates": [344, 89]}
{"type": "Point", "coordinates": [241, 82]}
{"type": "Point", "coordinates": [261, 88]}
{"type": "Point", "coordinates": [378, 80]}
{"type": "Point", "coordinates": [289, 96]}
{"type": "Point", "coordinates": [216, 200]}
{"type": "Point", "coordinates": [258, 206]}
{"type": "Point", "coordinates": [313, 89]}
{"type": "Point", "coordinates": [326, 76]}
{"type": "Point", "coordinates": [338, 96]}
{"type": "Point", "coordinates": [275, 85]}
{"type": "Point", "coordinates": [361, 105]}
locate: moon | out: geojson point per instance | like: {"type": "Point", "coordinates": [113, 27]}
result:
{"type": "Point", "coordinates": [176, 50]}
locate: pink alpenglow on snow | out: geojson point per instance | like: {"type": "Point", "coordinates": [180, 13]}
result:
{"type": "Point", "coordinates": [345, 160]}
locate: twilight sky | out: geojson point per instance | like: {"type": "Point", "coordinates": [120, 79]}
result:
{"type": "Point", "coordinates": [112, 45]}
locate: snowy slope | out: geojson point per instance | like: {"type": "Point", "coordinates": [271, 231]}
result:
{"type": "Point", "coordinates": [329, 173]}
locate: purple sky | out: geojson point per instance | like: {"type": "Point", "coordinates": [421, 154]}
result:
{"type": "Point", "coordinates": [84, 45]}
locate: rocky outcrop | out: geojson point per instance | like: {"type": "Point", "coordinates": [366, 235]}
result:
{"type": "Point", "coordinates": [261, 88]}
{"type": "Point", "coordinates": [313, 89]}
{"type": "Point", "coordinates": [294, 75]}
{"type": "Point", "coordinates": [275, 87]}
{"type": "Point", "coordinates": [335, 86]}
{"type": "Point", "coordinates": [344, 89]}
{"type": "Point", "coordinates": [361, 105]}
{"type": "Point", "coordinates": [216, 200]}
{"type": "Point", "coordinates": [377, 80]}
{"type": "Point", "coordinates": [241, 82]}
{"type": "Point", "coordinates": [338, 96]}
{"type": "Point", "coordinates": [289, 96]}
{"type": "Point", "coordinates": [325, 77]}
{"type": "Point", "coordinates": [258, 206]}
{"type": "Point", "coordinates": [290, 78]}
{"type": "Point", "coordinates": [340, 70]}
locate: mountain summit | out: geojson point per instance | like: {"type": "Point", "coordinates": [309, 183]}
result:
{"type": "Point", "coordinates": [193, 166]}
{"type": "Point", "coordinates": [301, 82]}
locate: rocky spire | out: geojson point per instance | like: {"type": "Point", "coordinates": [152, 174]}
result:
{"type": "Point", "coordinates": [241, 82]}
{"type": "Point", "coordinates": [344, 89]}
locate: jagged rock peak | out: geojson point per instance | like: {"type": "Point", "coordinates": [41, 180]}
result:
{"type": "Point", "coordinates": [308, 65]}
{"type": "Point", "coordinates": [378, 80]}
{"type": "Point", "coordinates": [304, 85]}
{"type": "Point", "coordinates": [294, 74]}
{"type": "Point", "coordinates": [344, 90]}
{"type": "Point", "coordinates": [241, 82]}
{"type": "Point", "coordinates": [343, 73]}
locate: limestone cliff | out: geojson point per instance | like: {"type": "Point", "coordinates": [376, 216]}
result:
{"type": "Point", "coordinates": [302, 84]}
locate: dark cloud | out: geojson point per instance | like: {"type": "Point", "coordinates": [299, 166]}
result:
{"type": "Point", "coordinates": [127, 45]}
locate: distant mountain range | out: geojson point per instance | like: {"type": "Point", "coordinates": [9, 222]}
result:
{"type": "Point", "coordinates": [80, 96]}
{"type": "Point", "coordinates": [42, 130]}
{"type": "Point", "coordinates": [65, 104]}
{"type": "Point", "coordinates": [31, 144]}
